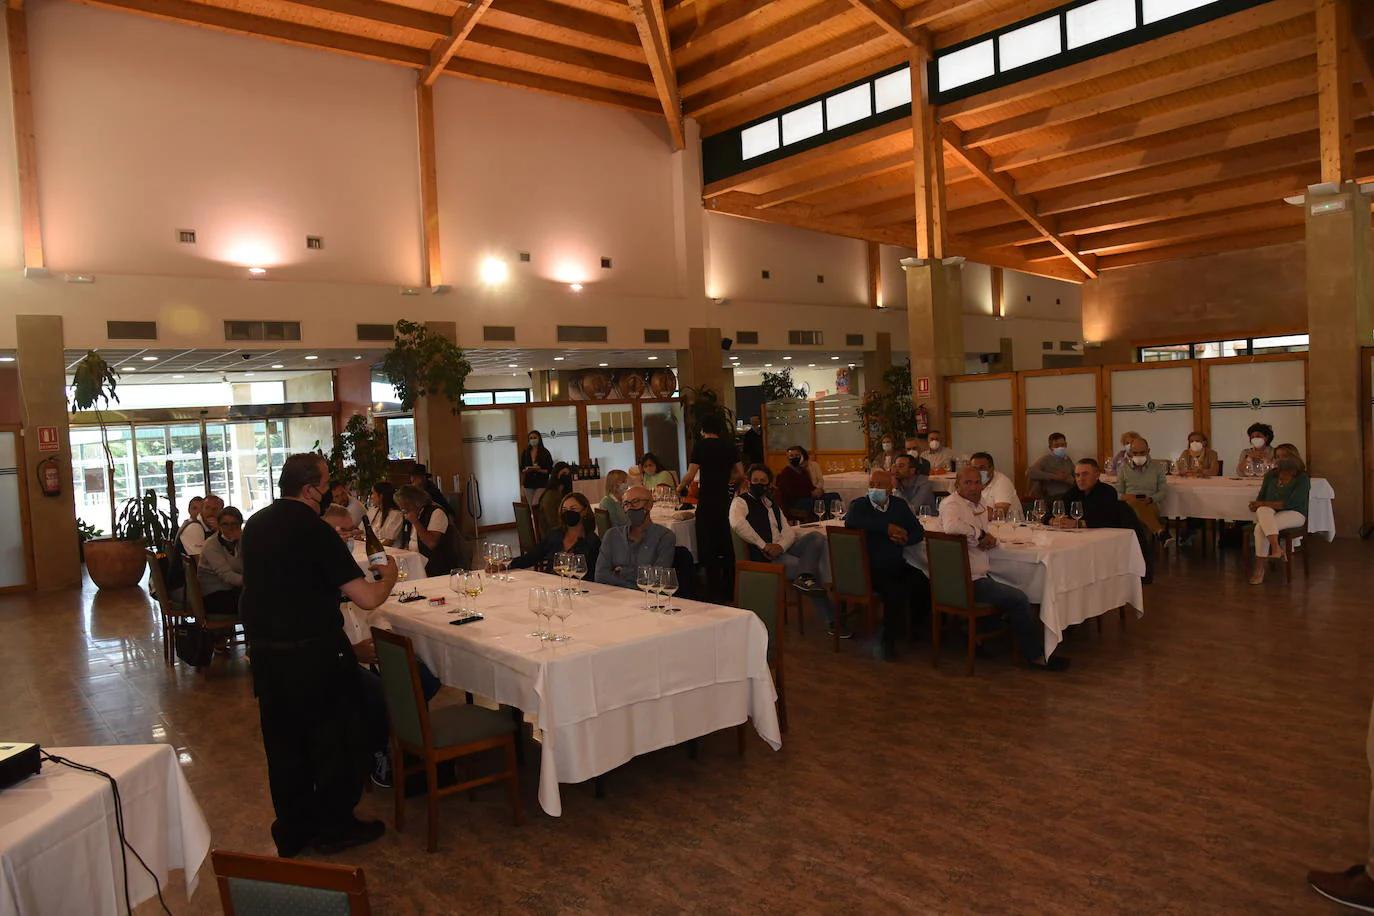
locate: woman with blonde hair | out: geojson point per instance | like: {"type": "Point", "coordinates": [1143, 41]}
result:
{"type": "Point", "coordinates": [1282, 504]}
{"type": "Point", "coordinates": [617, 482]}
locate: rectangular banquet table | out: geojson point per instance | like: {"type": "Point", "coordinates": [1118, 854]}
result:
{"type": "Point", "coordinates": [631, 681]}
{"type": "Point", "coordinates": [1229, 498]}
{"type": "Point", "coordinates": [1073, 575]}
{"type": "Point", "coordinates": [59, 850]}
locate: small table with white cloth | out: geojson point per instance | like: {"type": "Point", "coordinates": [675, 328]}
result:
{"type": "Point", "coordinates": [60, 851]}
{"type": "Point", "coordinates": [1229, 498]}
{"type": "Point", "coordinates": [630, 681]}
{"type": "Point", "coordinates": [682, 523]}
{"type": "Point", "coordinates": [410, 564]}
{"type": "Point", "coordinates": [1073, 574]}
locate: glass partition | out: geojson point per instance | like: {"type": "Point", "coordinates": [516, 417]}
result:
{"type": "Point", "coordinates": [664, 434]}
{"type": "Point", "coordinates": [491, 455]}
{"type": "Point", "coordinates": [155, 446]}
{"type": "Point", "coordinates": [788, 423]}
{"type": "Point", "coordinates": [611, 436]}
{"type": "Point", "coordinates": [14, 569]}
{"type": "Point", "coordinates": [558, 425]}
{"type": "Point", "coordinates": [89, 483]}
{"type": "Point", "coordinates": [838, 428]}
{"type": "Point", "coordinates": [400, 437]}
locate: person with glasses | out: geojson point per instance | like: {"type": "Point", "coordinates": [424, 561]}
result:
{"type": "Point", "coordinates": [576, 533]}
{"type": "Point", "coordinates": [640, 543]}
{"type": "Point", "coordinates": [220, 569]}
{"type": "Point", "coordinates": [1141, 484]}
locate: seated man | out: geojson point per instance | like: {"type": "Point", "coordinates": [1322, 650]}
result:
{"type": "Point", "coordinates": [797, 485]}
{"type": "Point", "coordinates": [756, 520]}
{"type": "Point", "coordinates": [913, 483]}
{"type": "Point", "coordinates": [1103, 509]}
{"type": "Point", "coordinates": [640, 543]}
{"type": "Point", "coordinates": [337, 517]}
{"type": "Point", "coordinates": [1052, 475]}
{"type": "Point", "coordinates": [913, 447]}
{"type": "Point", "coordinates": [339, 496]}
{"type": "Point", "coordinates": [938, 455]}
{"type": "Point", "coordinates": [889, 527]}
{"type": "Point", "coordinates": [964, 513]}
{"type": "Point", "coordinates": [1141, 484]}
{"type": "Point", "coordinates": [998, 490]}
{"type": "Point", "coordinates": [220, 570]}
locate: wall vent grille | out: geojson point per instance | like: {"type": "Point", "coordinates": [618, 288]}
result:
{"type": "Point", "coordinates": [131, 330]}
{"type": "Point", "coordinates": [576, 333]}
{"type": "Point", "coordinates": [262, 330]}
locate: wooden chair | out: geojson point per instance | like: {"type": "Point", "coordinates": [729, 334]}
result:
{"type": "Point", "coordinates": [793, 597]}
{"type": "Point", "coordinates": [1287, 542]}
{"type": "Point", "coordinates": [266, 886]}
{"type": "Point", "coordinates": [762, 588]}
{"type": "Point", "coordinates": [223, 626]}
{"type": "Point", "coordinates": [447, 734]}
{"type": "Point", "coordinates": [851, 580]}
{"type": "Point", "coordinates": [951, 592]}
{"type": "Point", "coordinates": [603, 522]}
{"type": "Point", "coordinates": [173, 610]}
{"type": "Point", "coordinates": [525, 528]}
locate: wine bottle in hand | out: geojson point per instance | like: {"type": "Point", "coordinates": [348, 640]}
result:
{"type": "Point", "coordinates": [376, 553]}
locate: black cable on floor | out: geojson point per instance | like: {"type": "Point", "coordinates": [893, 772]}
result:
{"type": "Point", "coordinates": [124, 843]}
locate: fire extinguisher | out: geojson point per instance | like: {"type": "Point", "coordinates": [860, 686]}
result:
{"type": "Point", "coordinates": [922, 420]}
{"type": "Point", "coordinates": [49, 477]}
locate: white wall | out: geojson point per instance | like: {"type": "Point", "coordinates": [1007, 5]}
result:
{"type": "Point", "coordinates": [11, 238]}
{"type": "Point", "coordinates": [739, 250]}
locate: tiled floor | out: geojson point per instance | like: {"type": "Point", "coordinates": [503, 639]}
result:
{"type": "Point", "coordinates": [1196, 762]}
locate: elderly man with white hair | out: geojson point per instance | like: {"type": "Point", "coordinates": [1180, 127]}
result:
{"type": "Point", "coordinates": [640, 543]}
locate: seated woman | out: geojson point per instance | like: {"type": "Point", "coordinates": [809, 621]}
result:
{"type": "Point", "coordinates": [1282, 504]}
{"type": "Point", "coordinates": [1123, 457]}
{"type": "Point", "coordinates": [575, 533]}
{"type": "Point", "coordinates": [1198, 459]}
{"type": "Point", "coordinates": [654, 474]}
{"type": "Point", "coordinates": [617, 482]}
{"type": "Point", "coordinates": [1254, 460]}
{"type": "Point", "coordinates": [560, 485]}
{"type": "Point", "coordinates": [220, 570]}
{"type": "Point", "coordinates": [385, 516]}
{"type": "Point", "coordinates": [425, 530]}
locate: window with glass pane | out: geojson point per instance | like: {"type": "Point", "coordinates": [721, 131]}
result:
{"type": "Point", "coordinates": [1155, 10]}
{"type": "Point", "coordinates": [400, 437]}
{"type": "Point", "coordinates": [1164, 354]}
{"type": "Point", "coordinates": [848, 106]}
{"type": "Point", "coordinates": [1098, 20]}
{"type": "Point", "coordinates": [477, 399]}
{"type": "Point", "coordinates": [1036, 41]}
{"type": "Point", "coordinates": [513, 396]}
{"type": "Point", "coordinates": [1288, 343]}
{"type": "Point", "coordinates": [759, 139]}
{"type": "Point", "coordinates": [802, 123]}
{"type": "Point", "coordinates": [156, 445]}
{"type": "Point", "coordinates": [90, 483]}
{"type": "Point", "coordinates": [965, 65]}
{"type": "Point", "coordinates": [892, 90]}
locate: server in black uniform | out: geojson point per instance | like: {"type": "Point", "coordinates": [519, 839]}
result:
{"type": "Point", "coordinates": [716, 460]}
{"type": "Point", "coordinates": [305, 673]}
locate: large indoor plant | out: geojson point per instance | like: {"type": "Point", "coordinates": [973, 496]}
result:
{"type": "Point", "coordinates": [700, 403]}
{"type": "Point", "coordinates": [890, 410]}
{"type": "Point", "coordinates": [421, 362]}
{"type": "Point", "coordinates": [359, 458]}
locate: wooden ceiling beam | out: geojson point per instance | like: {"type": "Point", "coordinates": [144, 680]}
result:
{"type": "Point", "coordinates": [1335, 102]}
{"type": "Point", "coordinates": [1245, 240]}
{"type": "Point", "coordinates": [444, 50]}
{"type": "Point", "coordinates": [1176, 80]}
{"type": "Point", "coordinates": [388, 13]}
{"type": "Point", "coordinates": [570, 19]}
{"type": "Point", "coordinates": [431, 259]}
{"type": "Point", "coordinates": [889, 17]}
{"type": "Point", "coordinates": [1025, 207]}
{"type": "Point", "coordinates": [830, 180]}
{"type": "Point", "coordinates": [698, 21]}
{"type": "Point", "coordinates": [542, 49]}
{"type": "Point", "coordinates": [523, 79]}
{"type": "Point", "coordinates": [741, 54]}
{"type": "Point", "coordinates": [1363, 61]}
{"type": "Point", "coordinates": [923, 14]}
{"type": "Point", "coordinates": [800, 216]}
{"type": "Point", "coordinates": [882, 189]}
{"type": "Point", "coordinates": [1271, 215]}
{"type": "Point", "coordinates": [1011, 260]}
{"type": "Point", "coordinates": [1177, 43]}
{"type": "Point", "coordinates": [26, 149]}
{"type": "Point", "coordinates": [653, 36]}
{"type": "Point", "coordinates": [990, 20]}
{"type": "Point", "coordinates": [809, 158]}
{"type": "Point", "coordinates": [928, 161]}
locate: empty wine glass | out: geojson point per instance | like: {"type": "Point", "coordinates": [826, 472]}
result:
{"type": "Point", "coordinates": [925, 512]}
{"type": "Point", "coordinates": [837, 509]}
{"type": "Point", "coordinates": [455, 585]}
{"type": "Point", "coordinates": [472, 587]}
{"type": "Point", "coordinates": [1076, 513]}
{"type": "Point", "coordinates": [1058, 510]}
{"type": "Point", "coordinates": [561, 604]}
{"type": "Point", "coordinates": [818, 507]}
{"type": "Point", "coordinates": [667, 586]}
{"type": "Point", "coordinates": [644, 581]}
{"type": "Point", "coordinates": [1040, 511]}
{"type": "Point", "coordinates": [504, 559]}
{"type": "Point", "coordinates": [536, 604]}
{"type": "Point", "coordinates": [577, 568]}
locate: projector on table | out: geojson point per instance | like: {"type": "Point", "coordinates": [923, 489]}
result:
{"type": "Point", "coordinates": [18, 761]}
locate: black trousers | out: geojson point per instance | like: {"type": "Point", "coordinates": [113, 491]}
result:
{"type": "Point", "coordinates": [223, 604]}
{"type": "Point", "coordinates": [906, 596]}
{"type": "Point", "coordinates": [315, 730]}
{"type": "Point", "coordinates": [716, 554]}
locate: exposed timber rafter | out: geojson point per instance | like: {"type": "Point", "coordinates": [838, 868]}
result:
{"type": "Point", "coordinates": [445, 48]}
{"type": "Point", "coordinates": [653, 35]}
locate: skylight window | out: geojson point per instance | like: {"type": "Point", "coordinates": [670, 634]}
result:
{"type": "Point", "coordinates": [759, 139]}
{"type": "Point", "coordinates": [967, 65]}
{"type": "Point", "coordinates": [1026, 45]}
{"type": "Point", "coordinates": [849, 106]}
{"type": "Point", "coordinates": [1098, 20]}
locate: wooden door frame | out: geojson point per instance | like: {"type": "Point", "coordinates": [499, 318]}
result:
{"type": "Point", "coordinates": [1201, 411]}
{"type": "Point", "coordinates": [1040, 373]}
{"type": "Point", "coordinates": [22, 470]}
{"type": "Point", "coordinates": [1367, 425]}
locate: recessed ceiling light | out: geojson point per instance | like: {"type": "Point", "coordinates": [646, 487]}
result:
{"type": "Point", "coordinates": [178, 376]}
{"type": "Point", "coordinates": [787, 357]}
{"type": "Point", "coordinates": [603, 365]}
{"type": "Point", "coordinates": [6, 359]}
{"type": "Point", "coordinates": [257, 271]}
{"type": "Point", "coordinates": [357, 357]}
{"type": "Point", "coordinates": [810, 365]}
{"type": "Point", "coordinates": [278, 366]}
{"type": "Point", "coordinates": [129, 369]}
{"type": "Point", "coordinates": [312, 356]}
{"type": "Point", "coordinates": [834, 357]}
{"type": "Point", "coordinates": [513, 366]}
{"type": "Point", "coordinates": [150, 359]}
{"type": "Point", "coordinates": [558, 359]}
{"type": "Point", "coordinates": [653, 357]}
{"type": "Point", "coordinates": [768, 365]}
{"type": "Point", "coordinates": [248, 375]}
{"type": "Point", "coordinates": [734, 357]}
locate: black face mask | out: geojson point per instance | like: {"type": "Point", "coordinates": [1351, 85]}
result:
{"type": "Point", "coordinates": [571, 517]}
{"type": "Point", "coordinates": [758, 490]}
{"type": "Point", "coordinates": [795, 462]}
{"type": "Point", "coordinates": [565, 482]}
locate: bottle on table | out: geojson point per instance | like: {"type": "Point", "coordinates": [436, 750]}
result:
{"type": "Point", "coordinates": [376, 553]}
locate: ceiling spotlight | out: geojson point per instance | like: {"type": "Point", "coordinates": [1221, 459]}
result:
{"type": "Point", "coordinates": [128, 368]}
{"type": "Point", "coordinates": [257, 271]}
{"type": "Point", "coordinates": [357, 357]}
{"type": "Point", "coordinates": [787, 357]}
{"type": "Point", "coordinates": [248, 375]}
{"type": "Point", "coordinates": [178, 376]}
{"type": "Point", "coordinates": [575, 287]}
{"type": "Point", "coordinates": [558, 359]}
{"type": "Point", "coordinates": [653, 357]}
{"type": "Point", "coordinates": [834, 357]}
{"type": "Point", "coordinates": [494, 271]}
{"type": "Point", "coordinates": [513, 366]}
{"type": "Point", "coordinates": [810, 365]}
{"type": "Point", "coordinates": [312, 356]}
{"type": "Point", "coordinates": [768, 365]}
{"type": "Point", "coordinates": [734, 357]}
{"type": "Point", "coordinates": [278, 366]}
{"type": "Point", "coordinates": [603, 365]}
{"type": "Point", "coordinates": [150, 359]}
{"type": "Point", "coordinates": [6, 359]}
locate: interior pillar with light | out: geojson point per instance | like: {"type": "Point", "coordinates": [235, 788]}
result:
{"type": "Point", "coordinates": [438, 430]}
{"type": "Point", "coordinates": [935, 329]}
{"type": "Point", "coordinates": [43, 391]}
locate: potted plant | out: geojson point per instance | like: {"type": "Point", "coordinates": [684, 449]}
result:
{"type": "Point", "coordinates": [359, 458]}
{"type": "Point", "coordinates": [778, 386]}
{"type": "Point", "coordinates": [421, 362]}
{"type": "Point", "coordinates": [890, 409]}
{"type": "Point", "coordinates": [700, 403]}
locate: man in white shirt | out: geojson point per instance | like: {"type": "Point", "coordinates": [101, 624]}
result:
{"type": "Point", "coordinates": [938, 455]}
{"type": "Point", "coordinates": [339, 496]}
{"type": "Point", "coordinates": [757, 521]}
{"type": "Point", "coordinates": [998, 490]}
{"type": "Point", "coordinates": [963, 513]}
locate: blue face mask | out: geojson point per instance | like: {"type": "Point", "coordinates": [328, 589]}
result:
{"type": "Point", "coordinates": [877, 497]}
{"type": "Point", "coordinates": [1060, 451]}
{"type": "Point", "coordinates": [985, 476]}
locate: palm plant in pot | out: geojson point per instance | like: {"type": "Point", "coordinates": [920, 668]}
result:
{"type": "Point", "coordinates": [117, 561]}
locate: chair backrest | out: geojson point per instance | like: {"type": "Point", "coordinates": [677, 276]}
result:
{"type": "Point", "coordinates": [603, 522]}
{"type": "Point", "coordinates": [762, 588]}
{"type": "Point", "coordinates": [951, 584]}
{"type": "Point", "coordinates": [1221, 468]}
{"type": "Point", "coordinates": [741, 550]}
{"type": "Point", "coordinates": [849, 572]}
{"type": "Point", "coordinates": [158, 582]}
{"type": "Point", "coordinates": [195, 601]}
{"type": "Point", "coordinates": [267, 886]}
{"type": "Point", "coordinates": [524, 527]}
{"type": "Point", "coordinates": [405, 699]}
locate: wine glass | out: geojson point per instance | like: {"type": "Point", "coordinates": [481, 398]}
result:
{"type": "Point", "coordinates": [1040, 511]}
{"type": "Point", "coordinates": [644, 581]}
{"type": "Point", "coordinates": [837, 509]}
{"type": "Point", "coordinates": [473, 587]}
{"type": "Point", "coordinates": [562, 607]}
{"type": "Point", "coordinates": [577, 568]}
{"type": "Point", "coordinates": [925, 512]}
{"type": "Point", "coordinates": [503, 558]}
{"type": "Point", "coordinates": [818, 507]}
{"type": "Point", "coordinates": [667, 586]}
{"type": "Point", "coordinates": [455, 585]}
{"type": "Point", "coordinates": [536, 604]}
{"type": "Point", "coordinates": [1058, 510]}
{"type": "Point", "coordinates": [556, 567]}
{"type": "Point", "coordinates": [1076, 513]}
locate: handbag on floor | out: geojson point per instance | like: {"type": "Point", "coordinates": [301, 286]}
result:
{"type": "Point", "coordinates": [195, 645]}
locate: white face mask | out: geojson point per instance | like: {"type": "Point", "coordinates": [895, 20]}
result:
{"type": "Point", "coordinates": [1195, 447]}
{"type": "Point", "coordinates": [1257, 441]}
{"type": "Point", "coordinates": [934, 445]}
{"type": "Point", "coordinates": [1139, 460]}
{"type": "Point", "coordinates": [887, 446]}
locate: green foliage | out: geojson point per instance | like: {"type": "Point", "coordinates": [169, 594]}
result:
{"type": "Point", "coordinates": [93, 386]}
{"type": "Point", "coordinates": [85, 531]}
{"type": "Point", "coordinates": [778, 386]}
{"type": "Point", "coordinates": [700, 403]}
{"type": "Point", "coordinates": [891, 410]}
{"type": "Point", "coordinates": [359, 456]}
{"type": "Point", "coordinates": [144, 521]}
{"type": "Point", "coordinates": [423, 363]}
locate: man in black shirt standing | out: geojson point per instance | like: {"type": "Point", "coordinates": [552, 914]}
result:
{"type": "Point", "coordinates": [305, 672]}
{"type": "Point", "coordinates": [716, 459]}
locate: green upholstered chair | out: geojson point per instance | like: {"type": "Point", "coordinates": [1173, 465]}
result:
{"type": "Point", "coordinates": [762, 588]}
{"type": "Point", "coordinates": [851, 580]}
{"type": "Point", "coordinates": [951, 592]}
{"type": "Point", "coordinates": [525, 527]}
{"type": "Point", "coordinates": [603, 522]}
{"type": "Point", "coordinates": [225, 627]}
{"type": "Point", "coordinates": [446, 734]}
{"type": "Point", "coordinates": [268, 886]}
{"type": "Point", "coordinates": [793, 597]}
{"type": "Point", "coordinates": [173, 610]}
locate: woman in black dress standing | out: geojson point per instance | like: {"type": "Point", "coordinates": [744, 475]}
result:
{"type": "Point", "coordinates": [535, 464]}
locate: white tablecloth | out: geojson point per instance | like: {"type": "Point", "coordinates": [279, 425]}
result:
{"type": "Point", "coordinates": [410, 562]}
{"type": "Point", "coordinates": [1229, 499]}
{"type": "Point", "coordinates": [1074, 576]}
{"type": "Point", "coordinates": [684, 529]}
{"type": "Point", "coordinates": [59, 851]}
{"type": "Point", "coordinates": [630, 682]}
{"type": "Point", "coordinates": [592, 489]}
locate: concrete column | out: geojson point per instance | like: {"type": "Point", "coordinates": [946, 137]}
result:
{"type": "Point", "coordinates": [42, 388]}
{"type": "Point", "coordinates": [935, 327]}
{"type": "Point", "coordinates": [700, 364]}
{"type": "Point", "coordinates": [1340, 318]}
{"type": "Point", "coordinates": [877, 361]}
{"type": "Point", "coordinates": [438, 434]}
{"type": "Point", "coordinates": [352, 393]}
